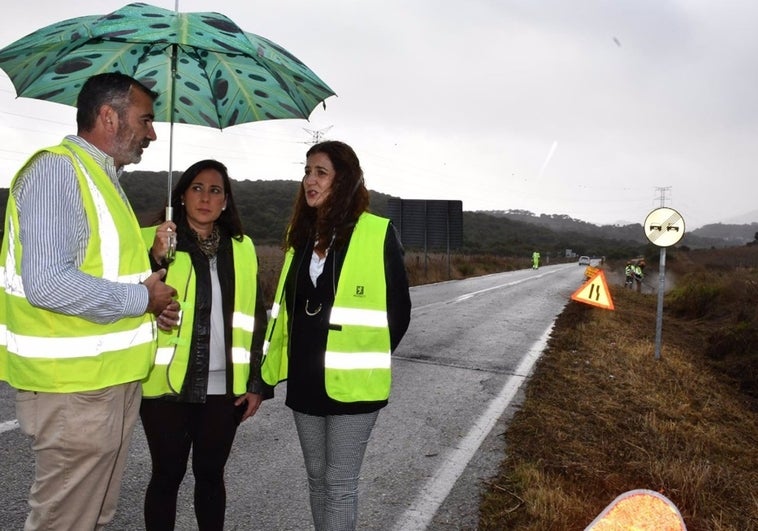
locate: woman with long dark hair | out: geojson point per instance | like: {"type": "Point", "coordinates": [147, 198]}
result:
{"type": "Point", "coordinates": [342, 306]}
{"type": "Point", "coordinates": [206, 377]}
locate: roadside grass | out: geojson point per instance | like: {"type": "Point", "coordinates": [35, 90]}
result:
{"type": "Point", "coordinates": [438, 267]}
{"type": "Point", "coordinates": [602, 416]}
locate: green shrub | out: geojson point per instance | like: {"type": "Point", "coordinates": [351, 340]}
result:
{"type": "Point", "coordinates": [695, 295]}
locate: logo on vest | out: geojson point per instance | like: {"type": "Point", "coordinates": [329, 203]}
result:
{"type": "Point", "coordinates": [359, 291]}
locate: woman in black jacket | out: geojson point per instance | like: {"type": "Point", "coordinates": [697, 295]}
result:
{"type": "Point", "coordinates": [206, 377]}
{"type": "Point", "coordinates": [342, 306]}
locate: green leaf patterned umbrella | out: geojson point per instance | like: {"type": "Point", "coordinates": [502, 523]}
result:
{"type": "Point", "coordinates": [206, 70]}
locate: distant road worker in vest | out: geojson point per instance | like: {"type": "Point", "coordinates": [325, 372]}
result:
{"type": "Point", "coordinates": [79, 306]}
{"type": "Point", "coordinates": [536, 260]}
{"type": "Point", "coordinates": [638, 272]}
{"type": "Point", "coordinates": [628, 276]}
{"type": "Point", "coordinates": [206, 379]}
{"type": "Point", "coordinates": [341, 307]}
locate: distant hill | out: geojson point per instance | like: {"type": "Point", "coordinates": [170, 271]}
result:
{"type": "Point", "coordinates": [704, 237]}
{"type": "Point", "coordinates": [265, 207]}
{"type": "Point", "coordinates": [732, 235]}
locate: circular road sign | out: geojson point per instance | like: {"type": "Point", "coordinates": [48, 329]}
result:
{"type": "Point", "coordinates": [664, 227]}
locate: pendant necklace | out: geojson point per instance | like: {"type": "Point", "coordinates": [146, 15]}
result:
{"type": "Point", "coordinates": [313, 312]}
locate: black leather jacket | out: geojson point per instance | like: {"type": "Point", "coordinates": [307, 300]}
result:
{"type": "Point", "coordinates": [196, 380]}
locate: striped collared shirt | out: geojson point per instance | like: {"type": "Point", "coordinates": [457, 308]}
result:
{"type": "Point", "coordinates": [54, 233]}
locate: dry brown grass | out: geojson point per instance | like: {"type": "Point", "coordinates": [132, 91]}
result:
{"type": "Point", "coordinates": [602, 416]}
{"type": "Point", "coordinates": [269, 265]}
{"type": "Point", "coordinates": [438, 267]}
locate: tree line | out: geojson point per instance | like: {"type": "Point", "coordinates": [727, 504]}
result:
{"type": "Point", "coordinates": [265, 208]}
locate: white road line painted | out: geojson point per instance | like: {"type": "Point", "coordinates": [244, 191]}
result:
{"type": "Point", "coordinates": [461, 298]}
{"type": "Point", "coordinates": [8, 425]}
{"type": "Point", "coordinates": [423, 509]}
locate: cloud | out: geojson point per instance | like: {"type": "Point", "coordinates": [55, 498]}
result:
{"type": "Point", "coordinates": [444, 101]}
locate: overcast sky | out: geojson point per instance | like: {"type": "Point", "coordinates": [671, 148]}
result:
{"type": "Point", "coordinates": [599, 110]}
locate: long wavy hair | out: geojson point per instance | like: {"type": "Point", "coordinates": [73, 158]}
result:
{"type": "Point", "coordinates": [348, 198]}
{"type": "Point", "coordinates": [229, 221]}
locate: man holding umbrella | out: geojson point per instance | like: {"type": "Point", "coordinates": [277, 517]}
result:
{"type": "Point", "coordinates": [79, 306]}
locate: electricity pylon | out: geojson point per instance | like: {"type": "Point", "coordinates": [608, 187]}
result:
{"type": "Point", "coordinates": [316, 134]}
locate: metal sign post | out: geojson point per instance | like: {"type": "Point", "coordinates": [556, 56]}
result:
{"type": "Point", "coordinates": [663, 227]}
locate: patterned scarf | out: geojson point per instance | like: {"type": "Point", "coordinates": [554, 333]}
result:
{"type": "Point", "coordinates": [209, 246]}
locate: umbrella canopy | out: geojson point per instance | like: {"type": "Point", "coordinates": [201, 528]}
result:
{"type": "Point", "coordinates": [205, 69]}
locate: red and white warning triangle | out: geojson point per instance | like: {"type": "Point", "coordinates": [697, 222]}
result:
{"type": "Point", "coordinates": [595, 292]}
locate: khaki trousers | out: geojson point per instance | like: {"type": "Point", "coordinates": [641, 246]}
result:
{"type": "Point", "coordinates": [80, 443]}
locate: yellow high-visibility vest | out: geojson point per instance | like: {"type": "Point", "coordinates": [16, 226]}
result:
{"type": "Point", "coordinates": [357, 359]}
{"type": "Point", "coordinates": [173, 354]}
{"type": "Point", "coordinates": [42, 350]}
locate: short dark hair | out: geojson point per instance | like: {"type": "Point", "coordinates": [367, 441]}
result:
{"type": "Point", "coordinates": [111, 88]}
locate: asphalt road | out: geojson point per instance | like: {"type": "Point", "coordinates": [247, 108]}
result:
{"type": "Point", "coordinates": [457, 378]}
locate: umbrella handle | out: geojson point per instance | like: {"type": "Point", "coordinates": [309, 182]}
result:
{"type": "Point", "coordinates": [171, 250]}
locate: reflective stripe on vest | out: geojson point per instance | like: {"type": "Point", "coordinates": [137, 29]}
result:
{"type": "Point", "coordinates": [357, 360]}
{"type": "Point", "coordinates": [43, 350]}
{"type": "Point", "coordinates": [358, 317]}
{"type": "Point", "coordinates": [106, 226]}
{"type": "Point", "coordinates": [173, 354]}
{"type": "Point", "coordinates": [13, 284]}
{"type": "Point", "coordinates": [245, 324]}
{"type": "Point", "coordinates": [77, 347]}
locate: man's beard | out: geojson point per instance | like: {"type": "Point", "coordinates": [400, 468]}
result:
{"type": "Point", "coordinates": [129, 148]}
